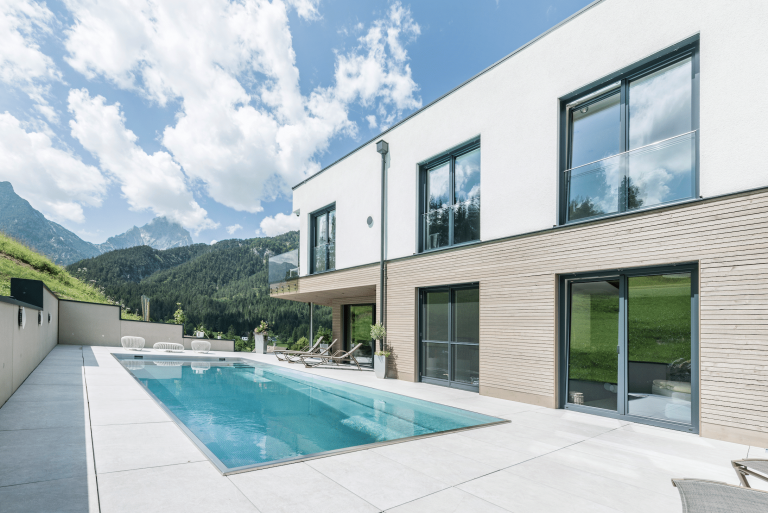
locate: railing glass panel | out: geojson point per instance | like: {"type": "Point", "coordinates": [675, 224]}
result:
{"type": "Point", "coordinates": [658, 173]}
{"type": "Point", "coordinates": [284, 267]}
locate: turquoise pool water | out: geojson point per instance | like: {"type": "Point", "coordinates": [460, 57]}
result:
{"type": "Point", "coordinates": [247, 413]}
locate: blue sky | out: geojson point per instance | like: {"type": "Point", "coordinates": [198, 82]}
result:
{"type": "Point", "coordinates": [208, 112]}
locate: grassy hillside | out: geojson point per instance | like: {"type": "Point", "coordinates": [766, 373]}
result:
{"type": "Point", "coordinates": [18, 261]}
{"type": "Point", "coordinates": [223, 287]}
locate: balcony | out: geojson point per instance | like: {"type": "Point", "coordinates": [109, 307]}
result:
{"type": "Point", "coordinates": [652, 175]}
{"type": "Point", "coordinates": [283, 272]}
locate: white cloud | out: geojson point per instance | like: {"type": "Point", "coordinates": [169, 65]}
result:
{"type": "Point", "coordinates": [371, 121]}
{"type": "Point", "coordinates": [244, 130]}
{"type": "Point", "coordinates": [53, 180]}
{"type": "Point", "coordinates": [22, 64]}
{"type": "Point", "coordinates": [214, 241]}
{"type": "Point", "coordinates": [232, 229]}
{"type": "Point", "coordinates": [149, 182]}
{"type": "Point", "coordinates": [278, 224]}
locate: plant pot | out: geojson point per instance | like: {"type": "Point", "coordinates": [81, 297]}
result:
{"type": "Point", "coordinates": [380, 366]}
{"type": "Point", "coordinates": [261, 344]}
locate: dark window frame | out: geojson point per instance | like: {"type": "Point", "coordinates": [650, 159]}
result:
{"type": "Point", "coordinates": [424, 167]}
{"type": "Point", "coordinates": [312, 217]}
{"type": "Point", "coordinates": [662, 59]}
{"type": "Point", "coordinates": [346, 320]}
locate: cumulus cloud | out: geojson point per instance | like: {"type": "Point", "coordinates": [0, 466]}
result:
{"type": "Point", "coordinates": [53, 180]}
{"type": "Point", "coordinates": [244, 130]}
{"type": "Point", "coordinates": [278, 224]}
{"type": "Point", "coordinates": [22, 64]}
{"type": "Point", "coordinates": [232, 229]}
{"type": "Point", "coordinates": [148, 182]}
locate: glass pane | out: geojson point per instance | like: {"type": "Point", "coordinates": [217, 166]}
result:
{"type": "Point", "coordinates": [595, 189]}
{"type": "Point", "coordinates": [662, 172]}
{"type": "Point", "coordinates": [332, 226]}
{"type": "Point", "coordinates": [466, 363]}
{"type": "Point", "coordinates": [436, 225]}
{"type": "Point", "coordinates": [436, 312]}
{"type": "Point", "coordinates": [359, 320]}
{"type": "Point", "coordinates": [659, 347]}
{"type": "Point", "coordinates": [660, 105]}
{"type": "Point", "coordinates": [596, 131]}
{"type": "Point", "coordinates": [321, 260]}
{"type": "Point", "coordinates": [437, 187]}
{"type": "Point", "coordinates": [321, 229]}
{"type": "Point", "coordinates": [467, 177]}
{"type": "Point", "coordinates": [466, 221]}
{"type": "Point", "coordinates": [466, 315]}
{"type": "Point", "coordinates": [435, 362]}
{"type": "Point", "coordinates": [331, 256]}
{"type": "Point", "coordinates": [593, 365]}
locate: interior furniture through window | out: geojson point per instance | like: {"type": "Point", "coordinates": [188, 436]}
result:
{"type": "Point", "coordinates": [632, 143]}
{"type": "Point", "coordinates": [450, 205]}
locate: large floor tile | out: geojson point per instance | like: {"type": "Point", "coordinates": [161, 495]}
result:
{"type": "Point", "coordinates": [47, 378]}
{"type": "Point", "coordinates": [131, 392]}
{"type": "Point", "coordinates": [489, 454]}
{"type": "Point", "coordinates": [133, 446]}
{"type": "Point", "coordinates": [451, 500]}
{"type": "Point", "coordinates": [268, 490]}
{"type": "Point", "coordinates": [597, 488]}
{"type": "Point", "coordinates": [521, 495]}
{"type": "Point", "coordinates": [508, 439]}
{"type": "Point", "coordinates": [58, 369]}
{"type": "Point", "coordinates": [447, 467]}
{"type": "Point", "coordinates": [33, 455]}
{"type": "Point", "coordinates": [42, 415]}
{"type": "Point", "coordinates": [43, 393]}
{"type": "Point", "coordinates": [116, 378]}
{"type": "Point", "coordinates": [141, 411]}
{"type": "Point", "coordinates": [72, 495]}
{"type": "Point", "coordinates": [189, 488]}
{"type": "Point", "coordinates": [376, 479]}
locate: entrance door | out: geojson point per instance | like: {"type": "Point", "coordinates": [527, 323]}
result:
{"type": "Point", "coordinates": [450, 337]}
{"type": "Point", "coordinates": [358, 320]}
{"type": "Point", "coordinates": [630, 346]}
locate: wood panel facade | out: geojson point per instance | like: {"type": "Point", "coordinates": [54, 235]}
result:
{"type": "Point", "coordinates": [518, 278]}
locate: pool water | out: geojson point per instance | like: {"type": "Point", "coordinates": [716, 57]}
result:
{"type": "Point", "coordinates": [249, 414]}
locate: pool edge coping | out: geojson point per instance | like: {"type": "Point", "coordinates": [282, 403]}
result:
{"type": "Point", "coordinates": [227, 471]}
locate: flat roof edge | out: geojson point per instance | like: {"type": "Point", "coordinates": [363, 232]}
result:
{"type": "Point", "coordinates": [433, 102]}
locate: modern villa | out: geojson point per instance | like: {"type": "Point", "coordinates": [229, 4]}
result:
{"type": "Point", "coordinates": [582, 225]}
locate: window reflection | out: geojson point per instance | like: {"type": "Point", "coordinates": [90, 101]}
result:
{"type": "Point", "coordinates": [596, 131]}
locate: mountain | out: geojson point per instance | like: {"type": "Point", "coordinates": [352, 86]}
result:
{"type": "Point", "coordinates": [160, 233]}
{"type": "Point", "coordinates": [223, 286]}
{"type": "Point", "coordinates": [21, 221]}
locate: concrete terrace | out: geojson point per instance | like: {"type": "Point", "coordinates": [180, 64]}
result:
{"type": "Point", "coordinates": [82, 435]}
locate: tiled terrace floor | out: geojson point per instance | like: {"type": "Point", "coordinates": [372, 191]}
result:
{"type": "Point", "coordinates": [81, 435]}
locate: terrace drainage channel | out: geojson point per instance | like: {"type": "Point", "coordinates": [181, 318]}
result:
{"type": "Point", "coordinates": [226, 471]}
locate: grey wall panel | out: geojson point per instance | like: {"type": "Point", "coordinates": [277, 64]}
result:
{"type": "Point", "coordinates": [89, 324]}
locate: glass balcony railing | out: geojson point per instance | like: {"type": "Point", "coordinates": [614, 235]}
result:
{"type": "Point", "coordinates": [651, 175]}
{"type": "Point", "coordinates": [465, 217]}
{"type": "Point", "coordinates": [324, 257]}
{"type": "Point", "coordinates": [283, 268]}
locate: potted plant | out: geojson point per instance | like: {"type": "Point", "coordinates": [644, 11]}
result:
{"type": "Point", "coordinates": [259, 337]}
{"type": "Point", "coordinates": [378, 333]}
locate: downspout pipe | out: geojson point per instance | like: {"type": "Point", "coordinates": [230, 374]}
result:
{"type": "Point", "coordinates": [383, 148]}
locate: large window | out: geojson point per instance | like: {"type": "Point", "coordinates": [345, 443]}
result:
{"type": "Point", "coordinates": [451, 199]}
{"type": "Point", "coordinates": [323, 256]}
{"type": "Point", "coordinates": [632, 143]}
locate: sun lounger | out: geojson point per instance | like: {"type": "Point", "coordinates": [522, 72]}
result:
{"type": "Point", "coordinates": [281, 355]}
{"type": "Point", "coordinates": [336, 358]}
{"type": "Point", "coordinates": [700, 496]}
{"type": "Point", "coordinates": [750, 467]}
{"type": "Point", "coordinates": [295, 356]}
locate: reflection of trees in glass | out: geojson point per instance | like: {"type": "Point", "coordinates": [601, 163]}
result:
{"type": "Point", "coordinates": [466, 220]}
{"type": "Point", "coordinates": [629, 194]}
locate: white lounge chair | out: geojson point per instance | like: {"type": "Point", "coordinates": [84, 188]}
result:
{"type": "Point", "coordinates": [171, 347]}
{"type": "Point", "coordinates": [201, 346]}
{"type": "Point", "coordinates": [132, 343]}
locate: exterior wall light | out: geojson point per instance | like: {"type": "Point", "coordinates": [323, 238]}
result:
{"type": "Point", "coordinates": [49, 318]}
{"type": "Point", "coordinates": [22, 317]}
{"type": "Point", "coordinates": [39, 318]}
{"type": "Point", "coordinates": [370, 222]}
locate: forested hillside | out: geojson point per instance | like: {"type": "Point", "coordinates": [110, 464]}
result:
{"type": "Point", "coordinates": [223, 287]}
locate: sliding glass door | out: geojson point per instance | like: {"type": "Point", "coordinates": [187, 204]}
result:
{"type": "Point", "coordinates": [630, 345]}
{"type": "Point", "coordinates": [450, 336]}
{"type": "Point", "coordinates": [357, 330]}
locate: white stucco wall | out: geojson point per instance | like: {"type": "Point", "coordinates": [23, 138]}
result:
{"type": "Point", "coordinates": [515, 106]}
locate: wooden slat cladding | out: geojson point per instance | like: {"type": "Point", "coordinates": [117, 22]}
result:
{"type": "Point", "coordinates": [518, 277]}
{"type": "Point", "coordinates": [518, 303]}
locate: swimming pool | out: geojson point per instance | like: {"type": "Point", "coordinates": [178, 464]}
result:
{"type": "Point", "coordinates": [245, 415]}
